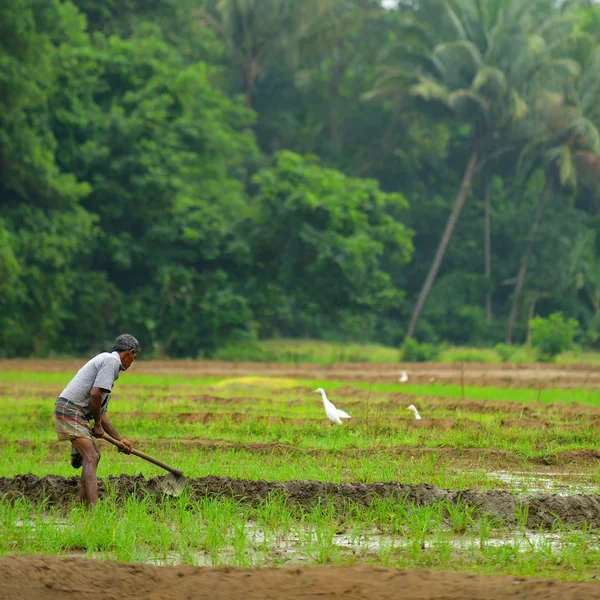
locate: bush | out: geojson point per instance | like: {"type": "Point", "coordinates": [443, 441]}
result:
{"type": "Point", "coordinates": [413, 351]}
{"type": "Point", "coordinates": [592, 335]}
{"type": "Point", "coordinates": [245, 351]}
{"type": "Point", "coordinates": [553, 335]}
{"type": "Point", "coordinates": [471, 355]}
{"type": "Point", "coordinates": [505, 352]}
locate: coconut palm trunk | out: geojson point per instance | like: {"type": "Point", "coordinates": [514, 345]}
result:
{"type": "Point", "coordinates": [487, 248]}
{"type": "Point", "coordinates": [514, 312]}
{"type": "Point", "coordinates": [446, 237]}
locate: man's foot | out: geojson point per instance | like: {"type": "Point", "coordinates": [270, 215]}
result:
{"type": "Point", "coordinates": [76, 460]}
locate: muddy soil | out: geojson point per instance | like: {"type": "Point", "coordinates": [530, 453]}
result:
{"type": "Point", "coordinates": [37, 578]}
{"type": "Point", "coordinates": [466, 459]}
{"type": "Point", "coordinates": [542, 510]}
{"type": "Point", "coordinates": [480, 374]}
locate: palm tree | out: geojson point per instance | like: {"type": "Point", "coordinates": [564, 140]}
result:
{"type": "Point", "coordinates": [332, 45]}
{"type": "Point", "coordinates": [584, 273]}
{"type": "Point", "coordinates": [564, 139]}
{"type": "Point", "coordinates": [256, 31]}
{"type": "Point", "coordinates": [475, 74]}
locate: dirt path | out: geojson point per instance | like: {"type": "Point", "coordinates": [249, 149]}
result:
{"type": "Point", "coordinates": [542, 510]}
{"type": "Point", "coordinates": [37, 578]}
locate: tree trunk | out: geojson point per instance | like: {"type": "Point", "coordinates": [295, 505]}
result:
{"type": "Point", "coordinates": [529, 318]}
{"type": "Point", "coordinates": [249, 74]}
{"type": "Point", "coordinates": [514, 312]}
{"type": "Point", "coordinates": [334, 129]}
{"type": "Point", "coordinates": [446, 237]}
{"type": "Point", "coordinates": [340, 67]}
{"type": "Point", "coordinates": [487, 248]}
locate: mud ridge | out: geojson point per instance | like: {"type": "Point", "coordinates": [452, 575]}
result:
{"type": "Point", "coordinates": [541, 510]}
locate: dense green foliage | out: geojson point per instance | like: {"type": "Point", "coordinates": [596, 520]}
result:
{"type": "Point", "coordinates": [553, 335]}
{"type": "Point", "coordinates": [208, 172]}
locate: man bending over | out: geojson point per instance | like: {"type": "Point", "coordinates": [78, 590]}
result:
{"type": "Point", "coordinates": [86, 398]}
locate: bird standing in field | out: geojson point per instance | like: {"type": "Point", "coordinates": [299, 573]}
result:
{"type": "Point", "coordinates": [335, 414]}
{"type": "Point", "coordinates": [414, 409]}
{"type": "Point", "coordinates": [403, 377]}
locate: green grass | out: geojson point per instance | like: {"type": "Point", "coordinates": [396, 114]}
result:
{"type": "Point", "coordinates": [312, 351]}
{"type": "Point", "coordinates": [289, 351]}
{"type": "Point", "coordinates": [303, 446]}
{"type": "Point", "coordinates": [244, 464]}
{"type": "Point", "coordinates": [160, 386]}
{"type": "Point", "coordinates": [372, 426]}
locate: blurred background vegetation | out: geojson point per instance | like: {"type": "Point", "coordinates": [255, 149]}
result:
{"type": "Point", "coordinates": [212, 174]}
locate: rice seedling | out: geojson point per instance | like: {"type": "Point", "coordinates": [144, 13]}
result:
{"type": "Point", "coordinates": [268, 430]}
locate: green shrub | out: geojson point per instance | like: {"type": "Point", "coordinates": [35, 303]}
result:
{"type": "Point", "coordinates": [592, 335]}
{"type": "Point", "coordinates": [505, 352]}
{"type": "Point", "coordinates": [245, 351]}
{"type": "Point", "coordinates": [470, 355]}
{"type": "Point", "coordinates": [553, 335]}
{"type": "Point", "coordinates": [413, 351]}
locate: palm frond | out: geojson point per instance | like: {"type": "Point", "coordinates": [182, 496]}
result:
{"type": "Point", "coordinates": [588, 134]}
{"type": "Point", "coordinates": [392, 82]}
{"type": "Point", "coordinates": [589, 85]}
{"type": "Point", "coordinates": [558, 27]}
{"type": "Point", "coordinates": [577, 46]}
{"type": "Point", "coordinates": [518, 106]}
{"type": "Point", "coordinates": [491, 82]}
{"type": "Point", "coordinates": [563, 158]}
{"type": "Point", "coordinates": [468, 105]}
{"type": "Point", "coordinates": [456, 22]}
{"type": "Point", "coordinates": [530, 159]}
{"type": "Point", "coordinates": [537, 43]}
{"type": "Point", "coordinates": [430, 90]}
{"type": "Point", "coordinates": [457, 63]}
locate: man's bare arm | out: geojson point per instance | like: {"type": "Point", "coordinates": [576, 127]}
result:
{"type": "Point", "coordinates": [110, 429]}
{"type": "Point", "coordinates": [96, 408]}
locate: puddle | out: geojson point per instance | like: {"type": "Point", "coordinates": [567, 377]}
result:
{"type": "Point", "coordinates": [527, 482]}
{"type": "Point", "coordinates": [305, 546]}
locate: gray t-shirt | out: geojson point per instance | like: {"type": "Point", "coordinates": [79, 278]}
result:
{"type": "Point", "coordinates": [101, 372]}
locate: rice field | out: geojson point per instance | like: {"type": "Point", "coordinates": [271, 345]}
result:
{"type": "Point", "coordinates": [499, 476]}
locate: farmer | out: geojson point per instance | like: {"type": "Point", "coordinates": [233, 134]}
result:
{"type": "Point", "coordinates": [86, 398]}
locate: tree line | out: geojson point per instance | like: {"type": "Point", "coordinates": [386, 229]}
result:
{"type": "Point", "coordinates": [208, 172]}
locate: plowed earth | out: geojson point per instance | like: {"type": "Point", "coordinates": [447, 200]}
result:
{"type": "Point", "coordinates": [542, 510]}
{"type": "Point", "coordinates": [479, 374]}
{"type": "Point", "coordinates": [37, 578]}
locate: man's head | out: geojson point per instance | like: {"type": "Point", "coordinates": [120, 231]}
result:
{"type": "Point", "coordinates": [127, 347]}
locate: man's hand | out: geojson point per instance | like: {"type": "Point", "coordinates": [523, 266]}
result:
{"type": "Point", "coordinates": [127, 444]}
{"type": "Point", "coordinates": [97, 432]}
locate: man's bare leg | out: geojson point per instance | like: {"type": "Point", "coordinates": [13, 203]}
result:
{"type": "Point", "coordinates": [89, 480]}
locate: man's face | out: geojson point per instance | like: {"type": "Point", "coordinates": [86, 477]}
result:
{"type": "Point", "coordinates": [127, 358]}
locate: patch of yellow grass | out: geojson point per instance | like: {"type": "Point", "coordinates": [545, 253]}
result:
{"type": "Point", "coordinates": [268, 382]}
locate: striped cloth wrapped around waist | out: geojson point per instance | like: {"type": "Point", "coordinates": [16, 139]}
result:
{"type": "Point", "coordinates": [67, 411]}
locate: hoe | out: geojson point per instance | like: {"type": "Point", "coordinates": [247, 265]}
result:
{"type": "Point", "coordinates": [172, 484]}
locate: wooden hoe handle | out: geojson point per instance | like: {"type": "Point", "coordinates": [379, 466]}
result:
{"type": "Point", "coordinates": [143, 455]}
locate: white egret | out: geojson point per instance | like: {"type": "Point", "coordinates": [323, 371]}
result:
{"type": "Point", "coordinates": [414, 409]}
{"type": "Point", "coordinates": [403, 377]}
{"type": "Point", "coordinates": [335, 414]}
